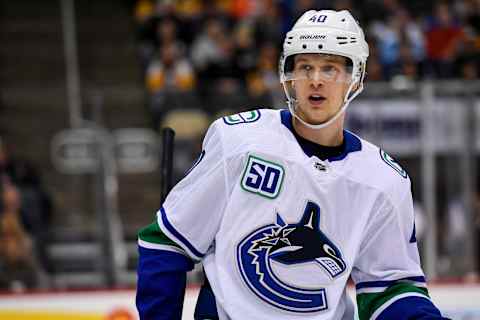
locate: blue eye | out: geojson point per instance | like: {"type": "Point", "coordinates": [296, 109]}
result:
{"type": "Point", "coordinates": [328, 69]}
{"type": "Point", "coordinates": [306, 67]}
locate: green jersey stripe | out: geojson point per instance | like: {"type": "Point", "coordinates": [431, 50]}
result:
{"type": "Point", "coordinates": [153, 234]}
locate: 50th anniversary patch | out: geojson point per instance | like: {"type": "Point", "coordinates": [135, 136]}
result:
{"type": "Point", "coordinates": [263, 177]}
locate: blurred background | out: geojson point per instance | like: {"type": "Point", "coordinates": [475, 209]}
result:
{"type": "Point", "coordinates": [87, 86]}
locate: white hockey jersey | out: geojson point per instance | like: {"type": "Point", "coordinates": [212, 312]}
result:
{"type": "Point", "coordinates": [280, 231]}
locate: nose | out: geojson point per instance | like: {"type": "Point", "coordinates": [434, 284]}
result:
{"type": "Point", "coordinates": [316, 79]}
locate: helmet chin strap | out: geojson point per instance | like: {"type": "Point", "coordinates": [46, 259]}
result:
{"type": "Point", "coordinates": [292, 105]}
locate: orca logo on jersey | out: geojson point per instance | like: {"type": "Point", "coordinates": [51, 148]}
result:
{"type": "Point", "coordinates": [289, 244]}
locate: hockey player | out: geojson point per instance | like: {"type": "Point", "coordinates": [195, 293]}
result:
{"type": "Point", "coordinates": [283, 207]}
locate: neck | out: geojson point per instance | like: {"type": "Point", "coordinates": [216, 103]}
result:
{"type": "Point", "coordinates": [330, 136]}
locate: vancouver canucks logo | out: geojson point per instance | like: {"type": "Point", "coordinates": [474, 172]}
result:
{"type": "Point", "coordinates": [289, 244]}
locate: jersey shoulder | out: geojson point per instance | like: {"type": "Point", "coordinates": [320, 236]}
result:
{"type": "Point", "coordinates": [250, 130]}
{"type": "Point", "coordinates": [374, 167]}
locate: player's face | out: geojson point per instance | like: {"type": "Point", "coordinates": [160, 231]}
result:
{"type": "Point", "coordinates": [320, 83]}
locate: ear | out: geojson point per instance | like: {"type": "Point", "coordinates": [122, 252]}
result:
{"type": "Point", "coordinates": [355, 87]}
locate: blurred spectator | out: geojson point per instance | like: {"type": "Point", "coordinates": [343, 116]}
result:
{"type": "Point", "coordinates": [374, 69]}
{"type": "Point", "coordinates": [270, 26]}
{"type": "Point", "coordinates": [245, 48]}
{"type": "Point", "coordinates": [170, 80]}
{"type": "Point", "coordinates": [467, 63]}
{"type": "Point", "coordinates": [406, 70]}
{"type": "Point", "coordinates": [144, 10]}
{"type": "Point", "coordinates": [412, 35]}
{"type": "Point", "coordinates": [387, 36]}
{"type": "Point", "coordinates": [468, 12]}
{"type": "Point", "coordinates": [262, 83]}
{"type": "Point", "coordinates": [189, 8]}
{"type": "Point", "coordinates": [167, 33]}
{"type": "Point", "coordinates": [300, 6]}
{"type": "Point", "coordinates": [226, 94]}
{"type": "Point", "coordinates": [6, 166]}
{"type": "Point", "coordinates": [212, 51]}
{"type": "Point", "coordinates": [19, 268]}
{"type": "Point", "coordinates": [473, 21]}
{"type": "Point", "coordinates": [400, 44]}
{"type": "Point", "coordinates": [469, 67]}
{"type": "Point", "coordinates": [159, 31]}
{"type": "Point", "coordinates": [213, 55]}
{"type": "Point", "coordinates": [444, 38]}
{"type": "Point", "coordinates": [346, 5]}
{"type": "Point", "coordinates": [36, 208]}
{"type": "Point", "coordinates": [243, 9]}
{"type": "Point", "coordinates": [387, 8]}
{"type": "Point", "coordinates": [159, 23]}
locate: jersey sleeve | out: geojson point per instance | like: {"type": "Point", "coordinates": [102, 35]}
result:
{"type": "Point", "coordinates": [389, 281]}
{"type": "Point", "coordinates": [161, 275]}
{"type": "Point", "coordinates": [193, 210]}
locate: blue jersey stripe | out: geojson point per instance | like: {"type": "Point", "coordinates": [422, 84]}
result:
{"type": "Point", "coordinates": [412, 307]}
{"type": "Point", "coordinates": [183, 241]}
{"type": "Point", "coordinates": [163, 260]}
{"type": "Point", "coordinates": [382, 284]}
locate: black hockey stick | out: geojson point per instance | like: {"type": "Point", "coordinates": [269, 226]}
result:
{"type": "Point", "coordinates": [166, 166]}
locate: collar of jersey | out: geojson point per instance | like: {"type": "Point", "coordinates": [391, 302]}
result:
{"type": "Point", "coordinates": [351, 143]}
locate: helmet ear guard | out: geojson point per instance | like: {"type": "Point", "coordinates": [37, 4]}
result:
{"type": "Point", "coordinates": [325, 32]}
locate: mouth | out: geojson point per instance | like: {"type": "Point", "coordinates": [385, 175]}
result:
{"type": "Point", "coordinates": [316, 99]}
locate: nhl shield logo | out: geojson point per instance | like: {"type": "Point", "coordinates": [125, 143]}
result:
{"type": "Point", "coordinates": [289, 244]}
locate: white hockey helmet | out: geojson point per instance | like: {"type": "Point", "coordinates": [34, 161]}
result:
{"type": "Point", "coordinates": [325, 32]}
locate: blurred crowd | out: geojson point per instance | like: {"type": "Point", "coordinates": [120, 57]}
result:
{"type": "Point", "coordinates": [222, 55]}
{"type": "Point", "coordinates": [25, 215]}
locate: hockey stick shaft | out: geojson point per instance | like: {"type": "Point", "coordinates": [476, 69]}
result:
{"type": "Point", "coordinates": [166, 166]}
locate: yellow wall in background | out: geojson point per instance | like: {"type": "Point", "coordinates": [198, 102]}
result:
{"type": "Point", "coordinates": [27, 315]}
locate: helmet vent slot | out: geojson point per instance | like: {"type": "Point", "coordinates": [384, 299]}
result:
{"type": "Point", "coordinates": [304, 46]}
{"type": "Point", "coordinates": [341, 38]}
{"type": "Point", "coordinates": [343, 42]}
{"type": "Point", "coordinates": [320, 46]}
